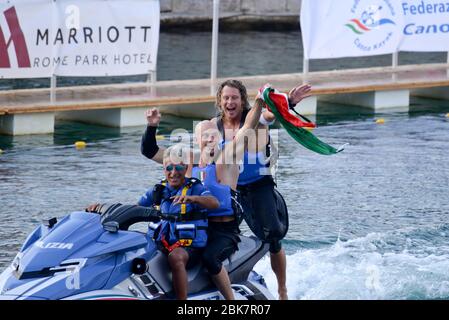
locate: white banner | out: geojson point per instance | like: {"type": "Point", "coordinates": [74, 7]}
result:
{"type": "Point", "coordinates": [426, 26]}
{"type": "Point", "coordinates": [350, 28]}
{"type": "Point", "coordinates": [78, 38]}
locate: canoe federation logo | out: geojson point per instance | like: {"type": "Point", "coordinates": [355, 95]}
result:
{"type": "Point", "coordinates": [370, 19]}
{"type": "Point", "coordinates": [372, 24]}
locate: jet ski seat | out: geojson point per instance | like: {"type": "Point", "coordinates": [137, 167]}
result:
{"type": "Point", "coordinates": [239, 266]}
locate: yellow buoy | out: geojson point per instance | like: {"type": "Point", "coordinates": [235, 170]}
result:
{"type": "Point", "coordinates": [1, 151]}
{"type": "Point", "coordinates": [80, 144]}
{"type": "Point", "coordinates": [160, 137]}
{"type": "Point", "coordinates": [380, 121]}
{"type": "Point", "coordinates": [447, 115]}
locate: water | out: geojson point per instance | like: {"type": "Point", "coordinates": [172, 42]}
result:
{"type": "Point", "coordinates": [372, 222]}
{"type": "Point", "coordinates": [368, 223]}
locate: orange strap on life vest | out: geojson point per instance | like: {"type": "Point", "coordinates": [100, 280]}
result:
{"type": "Point", "coordinates": [179, 243]}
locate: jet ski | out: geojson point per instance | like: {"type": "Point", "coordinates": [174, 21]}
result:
{"type": "Point", "coordinates": [88, 256]}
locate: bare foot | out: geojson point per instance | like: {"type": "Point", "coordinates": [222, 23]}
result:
{"type": "Point", "coordinates": [283, 294]}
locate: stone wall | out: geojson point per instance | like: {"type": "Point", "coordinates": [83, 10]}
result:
{"type": "Point", "coordinates": [234, 14]}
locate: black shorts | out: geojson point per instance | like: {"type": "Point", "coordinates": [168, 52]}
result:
{"type": "Point", "coordinates": [265, 211]}
{"type": "Point", "coordinates": [222, 241]}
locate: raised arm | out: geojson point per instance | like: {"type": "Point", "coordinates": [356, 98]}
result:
{"type": "Point", "coordinates": [299, 93]}
{"type": "Point", "coordinates": [235, 149]}
{"type": "Point", "coordinates": [149, 147]}
{"type": "Point", "coordinates": [252, 119]}
{"type": "Point", "coordinates": [295, 96]}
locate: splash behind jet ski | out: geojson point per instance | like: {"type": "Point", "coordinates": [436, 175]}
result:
{"type": "Point", "coordinates": [87, 256]}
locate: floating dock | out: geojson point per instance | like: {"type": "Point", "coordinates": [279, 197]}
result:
{"type": "Point", "coordinates": [33, 111]}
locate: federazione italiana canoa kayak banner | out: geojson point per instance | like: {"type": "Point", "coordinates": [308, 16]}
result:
{"type": "Point", "coordinates": [426, 26]}
{"type": "Point", "coordinates": [351, 28]}
{"type": "Point", "coordinates": [78, 37]}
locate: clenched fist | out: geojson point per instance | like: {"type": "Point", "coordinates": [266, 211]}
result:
{"type": "Point", "coordinates": [153, 117]}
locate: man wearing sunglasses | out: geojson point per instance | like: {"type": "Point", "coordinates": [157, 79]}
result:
{"type": "Point", "coordinates": [187, 200]}
{"type": "Point", "coordinates": [184, 203]}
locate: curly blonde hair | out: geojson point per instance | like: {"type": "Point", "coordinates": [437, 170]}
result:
{"type": "Point", "coordinates": [233, 84]}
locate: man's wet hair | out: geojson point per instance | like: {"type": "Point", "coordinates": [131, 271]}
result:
{"type": "Point", "coordinates": [233, 84]}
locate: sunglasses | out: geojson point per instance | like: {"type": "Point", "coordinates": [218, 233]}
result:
{"type": "Point", "coordinates": [178, 167]}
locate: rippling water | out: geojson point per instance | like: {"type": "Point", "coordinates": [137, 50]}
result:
{"type": "Point", "coordinates": [368, 223]}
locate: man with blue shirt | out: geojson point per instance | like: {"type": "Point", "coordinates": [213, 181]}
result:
{"type": "Point", "coordinates": [184, 203]}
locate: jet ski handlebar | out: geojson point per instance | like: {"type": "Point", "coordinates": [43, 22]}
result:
{"type": "Point", "coordinates": [127, 215]}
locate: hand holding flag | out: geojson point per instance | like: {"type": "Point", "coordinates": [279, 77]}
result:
{"type": "Point", "coordinates": [278, 104]}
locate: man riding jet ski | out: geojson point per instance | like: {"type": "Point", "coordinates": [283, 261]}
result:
{"type": "Point", "coordinates": [96, 256]}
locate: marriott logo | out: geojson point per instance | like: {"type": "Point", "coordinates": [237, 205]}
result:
{"type": "Point", "coordinates": [17, 38]}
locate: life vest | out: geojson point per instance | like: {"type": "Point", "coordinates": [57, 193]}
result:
{"type": "Point", "coordinates": [184, 226]}
{"type": "Point", "coordinates": [255, 167]}
{"type": "Point", "coordinates": [224, 194]}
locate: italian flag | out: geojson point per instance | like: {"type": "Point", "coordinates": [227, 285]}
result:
{"type": "Point", "coordinates": [277, 104]}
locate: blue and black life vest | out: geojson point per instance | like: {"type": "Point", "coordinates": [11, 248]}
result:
{"type": "Point", "coordinates": [255, 167]}
{"type": "Point", "coordinates": [184, 225]}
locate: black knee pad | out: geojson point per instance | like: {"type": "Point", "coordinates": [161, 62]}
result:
{"type": "Point", "coordinates": [275, 246]}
